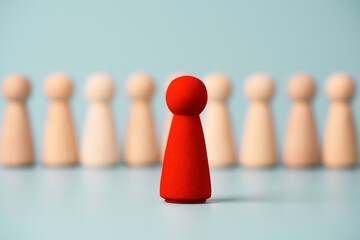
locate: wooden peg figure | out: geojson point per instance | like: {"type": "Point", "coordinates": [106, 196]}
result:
{"type": "Point", "coordinates": [258, 148]}
{"type": "Point", "coordinates": [99, 143]}
{"type": "Point", "coordinates": [340, 142]}
{"type": "Point", "coordinates": [217, 125]}
{"type": "Point", "coordinates": [140, 145]}
{"type": "Point", "coordinates": [59, 136]}
{"type": "Point", "coordinates": [185, 176]}
{"type": "Point", "coordinates": [16, 141]}
{"type": "Point", "coordinates": [301, 147]}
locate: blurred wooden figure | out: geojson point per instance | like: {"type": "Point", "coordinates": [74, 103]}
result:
{"type": "Point", "coordinates": [99, 142]}
{"type": "Point", "coordinates": [340, 143]}
{"type": "Point", "coordinates": [258, 148]}
{"type": "Point", "coordinates": [16, 141]}
{"type": "Point", "coordinates": [217, 124]}
{"type": "Point", "coordinates": [301, 147]}
{"type": "Point", "coordinates": [59, 136]}
{"type": "Point", "coordinates": [140, 145]}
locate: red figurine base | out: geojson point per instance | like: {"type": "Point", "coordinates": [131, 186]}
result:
{"type": "Point", "coordinates": [178, 201]}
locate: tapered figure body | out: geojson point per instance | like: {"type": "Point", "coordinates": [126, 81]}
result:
{"type": "Point", "coordinates": [60, 147]}
{"type": "Point", "coordinates": [340, 142]}
{"type": "Point", "coordinates": [258, 148]}
{"type": "Point", "coordinates": [217, 125]}
{"type": "Point", "coordinates": [185, 176]}
{"type": "Point", "coordinates": [140, 145]}
{"type": "Point", "coordinates": [16, 140]}
{"type": "Point", "coordinates": [301, 147]}
{"type": "Point", "coordinates": [99, 143]}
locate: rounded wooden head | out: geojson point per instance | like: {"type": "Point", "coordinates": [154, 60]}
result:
{"type": "Point", "coordinates": [186, 95]}
{"type": "Point", "coordinates": [141, 86]}
{"type": "Point", "coordinates": [301, 87]}
{"type": "Point", "coordinates": [218, 87]}
{"type": "Point", "coordinates": [259, 87]}
{"type": "Point", "coordinates": [340, 86]}
{"type": "Point", "coordinates": [16, 87]}
{"type": "Point", "coordinates": [58, 86]}
{"type": "Point", "coordinates": [100, 87]}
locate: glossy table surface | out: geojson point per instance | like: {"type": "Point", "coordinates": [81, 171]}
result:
{"type": "Point", "coordinates": [124, 203]}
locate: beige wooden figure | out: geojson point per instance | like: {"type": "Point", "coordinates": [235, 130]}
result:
{"type": "Point", "coordinates": [16, 140]}
{"type": "Point", "coordinates": [99, 142]}
{"type": "Point", "coordinates": [140, 145]}
{"type": "Point", "coordinates": [217, 124]}
{"type": "Point", "coordinates": [59, 136]}
{"type": "Point", "coordinates": [340, 143]}
{"type": "Point", "coordinates": [301, 147]}
{"type": "Point", "coordinates": [258, 148]}
{"type": "Point", "coordinates": [169, 117]}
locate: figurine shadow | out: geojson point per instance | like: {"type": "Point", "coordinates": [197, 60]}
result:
{"type": "Point", "coordinates": [238, 199]}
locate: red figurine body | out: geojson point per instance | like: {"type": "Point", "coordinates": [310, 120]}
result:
{"type": "Point", "coordinates": [185, 175]}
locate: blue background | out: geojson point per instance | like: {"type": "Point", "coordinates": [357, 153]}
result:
{"type": "Point", "coordinates": [164, 37]}
{"type": "Point", "coordinates": [237, 38]}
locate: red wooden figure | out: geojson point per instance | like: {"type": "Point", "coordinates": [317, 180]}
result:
{"type": "Point", "coordinates": [185, 175]}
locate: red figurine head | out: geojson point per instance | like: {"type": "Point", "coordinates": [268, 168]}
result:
{"type": "Point", "coordinates": [186, 95]}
